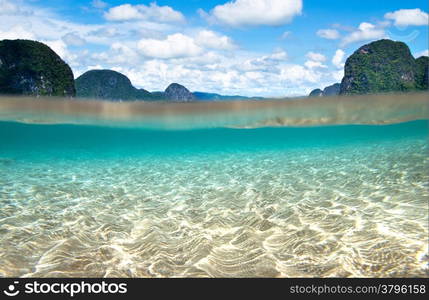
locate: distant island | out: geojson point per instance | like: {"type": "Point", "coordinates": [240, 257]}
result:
{"type": "Point", "coordinates": [331, 90]}
{"type": "Point", "coordinates": [32, 68]}
{"type": "Point", "coordinates": [112, 85]}
{"type": "Point", "coordinates": [109, 85]}
{"type": "Point", "coordinates": [380, 67]}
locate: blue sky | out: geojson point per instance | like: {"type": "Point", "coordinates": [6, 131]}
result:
{"type": "Point", "coordinates": [248, 47]}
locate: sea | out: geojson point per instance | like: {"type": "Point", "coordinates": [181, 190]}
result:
{"type": "Point", "coordinates": [326, 187]}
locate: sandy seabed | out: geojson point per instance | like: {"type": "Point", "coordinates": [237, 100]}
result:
{"type": "Point", "coordinates": [342, 211]}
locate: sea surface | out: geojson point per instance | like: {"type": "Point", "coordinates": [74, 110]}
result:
{"type": "Point", "coordinates": [257, 189]}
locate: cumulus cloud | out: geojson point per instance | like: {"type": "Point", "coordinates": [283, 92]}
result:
{"type": "Point", "coordinates": [153, 12]}
{"type": "Point", "coordinates": [365, 32]}
{"type": "Point", "coordinates": [314, 64]}
{"type": "Point", "coordinates": [255, 12]}
{"type": "Point", "coordinates": [265, 63]}
{"type": "Point", "coordinates": [338, 58]}
{"type": "Point", "coordinates": [315, 60]}
{"type": "Point", "coordinates": [13, 8]}
{"type": "Point", "coordinates": [330, 34]}
{"type": "Point", "coordinates": [123, 12]}
{"type": "Point", "coordinates": [175, 45]}
{"type": "Point", "coordinates": [60, 48]}
{"type": "Point", "coordinates": [406, 17]}
{"type": "Point", "coordinates": [44, 24]}
{"type": "Point", "coordinates": [338, 75]}
{"type": "Point", "coordinates": [37, 23]}
{"type": "Point", "coordinates": [316, 56]}
{"type": "Point", "coordinates": [299, 75]}
{"type": "Point", "coordinates": [73, 39]}
{"type": "Point", "coordinates": [121, 54]}
{"type": "Point", "coordinates": [179, 45]}
{"type": "Point", "coordinates": [16, 32]}
{"type": "Point", "coordinates": [213, 40]}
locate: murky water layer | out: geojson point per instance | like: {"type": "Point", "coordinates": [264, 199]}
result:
{"type": "Point", "coordinates": [255, 210]}
{"type": "Point", "coordinates": [365, 109]}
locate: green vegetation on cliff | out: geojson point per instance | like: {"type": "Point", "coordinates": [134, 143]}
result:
{"type": "Point", "coordinates": [379, 67]}
{"type": "Point", "coordinates": [110, 85]}
{"type": "Point", "coordinates": [422, 72]}
{"type": "Point", "coordinates": [32, 68]}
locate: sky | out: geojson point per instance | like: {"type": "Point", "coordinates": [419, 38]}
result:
{"type": "Point", "coordinates": [269, 48]}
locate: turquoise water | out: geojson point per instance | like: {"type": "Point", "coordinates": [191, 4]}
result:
{"type": "Point", "coordinates": [344, 200]}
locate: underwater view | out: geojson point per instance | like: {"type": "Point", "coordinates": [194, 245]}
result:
{"type": "Point", "coordinates": [214, 139]}
{"type": "Point", "coordinates": [83, 195]}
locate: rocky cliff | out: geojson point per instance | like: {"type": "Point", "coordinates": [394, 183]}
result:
{"type": "Point", "coordinates": [422, 66]}
{"type": "Point", "coordinates": [379, 67]}
{"type": "Point", "coordinates": [332, 90]}
{"type": "Point", "coordinates": [32, 68]}
{"type": "Point", "coordinates": [179, 93]}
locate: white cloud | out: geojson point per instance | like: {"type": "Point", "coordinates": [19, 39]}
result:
{"type": "Point", "coordinates": [406, 17]}
{"type": "Point", "coordinates": [256, 12]}
{"type": "Point", "coordinates": [213, 40]}
{"type": "Point", "coordinates": [266, 63]}
{"type": "Point", "coordinates": [338, 58]}
{"type": "Point", "coordinates": [314, 64]}
{"type": "Point", "coordinates": [13, 8]}
{"type": "Point", "coordinates": [297, 75]}
{"type": "Point", "coordinates": [153, 12]}
{"type": "Point", "coordinates": [365, 32]}
{"type": "Point", "coordinates": [179, 45]}
{"type": "Point", "coordinates": [316, 56]}
{"type": "Point", "coordinates": [73, 39]}
{"type": "Point", "coordinates": [338, 75]}
{"type": "Point", "coordinates": [123, 12]}
{"type": "Point", "coordinates": [38, 23]}
{"type": "Point", "coordinates": [16, 32]}
{"type": "Point", "coordinates": [422, 53]}
{"type": "Point", "coordinates": [330, 34]}
{"type": "Point", "coordinates": [175, 45]}
{"type": "Point", "coordinates": [315, 60]}
{"type": "Point", "coordinates": [99, 4]}
{"type": "Point", "coordinates": [122, 54]}
{"type": "Point", "coordinates": [44, 24]}
{"type": "Point", "coordinates": [285, 35]}
{"type": "Point", "coordinates": [60, 48]}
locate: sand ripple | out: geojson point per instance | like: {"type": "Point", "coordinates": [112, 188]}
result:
{"type": "Point", "coordinates": [338, 211]}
